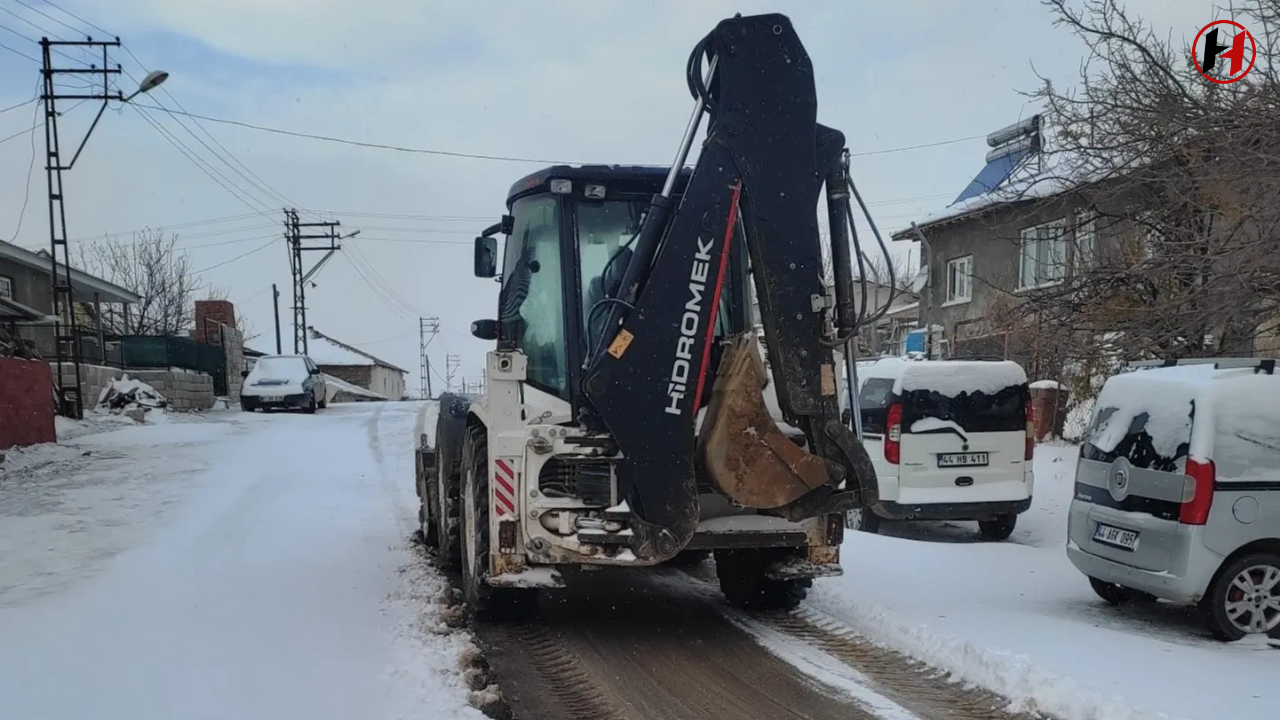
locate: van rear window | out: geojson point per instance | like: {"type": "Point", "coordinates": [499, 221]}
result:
{"type": "Point", "coordinates": [1153, 443]}
{"type": "Point", "coordinates": [976, 412]}
{"type": "Point", "coordinates": [873, 402]}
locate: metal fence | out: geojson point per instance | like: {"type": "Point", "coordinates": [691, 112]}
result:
{"type": "Point", "coordinates": [165, 351]}
{"type": "Point", "coordinates": [137, 351]}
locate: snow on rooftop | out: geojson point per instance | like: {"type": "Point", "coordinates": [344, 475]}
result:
{"type": "Point", "coordinates": [324, 351]}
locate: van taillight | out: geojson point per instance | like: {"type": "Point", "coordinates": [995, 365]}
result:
{"type": "Point", "coordinates": [1031, 432]}
{"type": "Point", "coordinates": [1197, 492]}
{"type": "Point", "coordinates": [893, 435]}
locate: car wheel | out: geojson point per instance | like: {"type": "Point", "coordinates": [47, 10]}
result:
{"type": "Point", "coordinates": [1244, 599]}
{"type": "Point", "coordinates": [323, 404]}
{"type": "Point", "coordinates": [310, 409]}
{"type": "Point", "coordinates": [998, 529]}
{"type": "Point", "coordinates": [862, 519]}
{"type": "Point", "coordinates": [246, 407]}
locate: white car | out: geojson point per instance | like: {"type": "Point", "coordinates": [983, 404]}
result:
{"type": "Point", "coordinates": [284, 382]}
{"type": "Point", "coordinates": [949, 439]}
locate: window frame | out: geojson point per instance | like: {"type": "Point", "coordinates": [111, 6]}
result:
{"type": "Point", "coordinates": [1026, 234]}
{"type": "Point", "coordinates": [5, 280]}
{"type": "Point", "coordinates": [953, 297]}
{"type": "Point", "coordinates": [1087, 226]}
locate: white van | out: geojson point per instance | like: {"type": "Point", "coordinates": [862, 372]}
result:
{"type": "Point", "coordinates": [950, 440]}
{"type": "Point", "coordinates": [1177, 492]}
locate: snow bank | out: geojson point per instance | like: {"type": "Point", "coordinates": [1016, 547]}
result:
{"type": "Point", "coordinates": [1018, 619]}
{"type": "Point", "coordinates": [952, 377]}
{"type": "Point", "coordinates": [931, 424]}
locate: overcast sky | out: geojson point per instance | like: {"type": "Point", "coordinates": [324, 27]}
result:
{"type": "Point", "coordinates": [590, 81]}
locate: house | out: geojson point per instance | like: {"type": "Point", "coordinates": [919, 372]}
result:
{"type": "Point", "coordinates": [26, 300]}
{"type": "Point", "coordinates": [355, 366]}
{"type": "Point", "coordinates": [1011, 232]}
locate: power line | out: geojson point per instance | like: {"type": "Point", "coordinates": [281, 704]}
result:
{"type": "Point", "coordinates": [361, 143]}
{"type": "Point", "coordinates": [77, 17]}
{"type": "Point", "coordinates": [41, 12]}
{"type": "Point", "coordinates": [258, 249]}
{"type": "Point", "coordinates": [905, 148]}
{"type": "Point", "coordinates": [31, 166]}
{"type": "Point", "coordinates": [18, 52]}
{"type": "Point", "coordinates": [190, 155]}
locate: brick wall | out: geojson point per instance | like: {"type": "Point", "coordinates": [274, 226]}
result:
{"type": "Point", "coordinates": [26, 402]}
{"type": "Point", "coordinates": [210, 315]}
{"type": "Point", "coordinates": [358, 375]}
{"type": "Point", "coordinates": [93, 380]}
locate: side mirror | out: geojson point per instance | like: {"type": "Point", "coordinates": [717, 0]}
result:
{"type": "Point", "coordinates": [846, 417]}
{"type": "Point", "coordinates": [508, 224]}
{"type": "Point", "coordinates": [485, 329]}
{"type": "Point", "coordinates": [314, 371]}
{"type": "Point", "coordinates": [244, 373]}
{"type": "Point", "coordinates": [486, 259]}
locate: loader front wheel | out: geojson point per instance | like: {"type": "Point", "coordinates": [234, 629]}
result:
{"type": "Point", "coordinates": [743, 582]}
{"type": "Point", "coordinates": [484, 601]}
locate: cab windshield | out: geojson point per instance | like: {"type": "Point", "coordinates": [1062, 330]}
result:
{"type": "Point", "coordinates": [605, 230]}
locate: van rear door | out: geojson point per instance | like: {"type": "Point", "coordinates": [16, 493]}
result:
{"type": "Point", "coordinates": [965, 447]}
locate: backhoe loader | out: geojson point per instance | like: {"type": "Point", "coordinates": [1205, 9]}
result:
{"type": "Point", "coordinates": [666, 377]}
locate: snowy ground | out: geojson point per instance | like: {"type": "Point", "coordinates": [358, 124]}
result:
{"type": "Point", "coordinates": [223, 566]}
{"type": "Point", "coordinates": [1019, 619]}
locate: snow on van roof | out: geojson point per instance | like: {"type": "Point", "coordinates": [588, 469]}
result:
{"type": "Point", "coordinates": [952, 377]}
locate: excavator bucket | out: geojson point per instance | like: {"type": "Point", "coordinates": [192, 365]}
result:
{"type": "Point", "coordinates": [747, 456]}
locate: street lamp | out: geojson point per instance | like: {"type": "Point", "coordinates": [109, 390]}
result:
{"type": "Point", "coordinates": [152, 81]}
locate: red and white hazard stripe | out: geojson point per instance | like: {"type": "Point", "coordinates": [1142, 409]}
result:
{"type": "Point", "coordinates": [504, 487]}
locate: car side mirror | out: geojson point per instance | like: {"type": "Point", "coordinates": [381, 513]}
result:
{"type": "Point", "coordinates": [486, 259]}
{"type": "Point", "coordinates": [485, 329]}
{"type": "Point", "coordinates": [846, 417]}
{"type": "Point", "coordinates": [314, 371]}
{"type": "Point", "coordinates": [244, 373]}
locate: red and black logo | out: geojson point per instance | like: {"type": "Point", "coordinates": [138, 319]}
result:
{"type": "Point", "coordinates": [1224, 52]}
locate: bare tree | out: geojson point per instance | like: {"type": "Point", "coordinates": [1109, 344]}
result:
{"type": "Point", "coordinates": [148, 265]}
{"type": "Point", "coordinates": [877, 269]}
{"type": "Point", "coordinates": [1171, 184]}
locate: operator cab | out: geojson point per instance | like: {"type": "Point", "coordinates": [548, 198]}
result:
{"type": "Point", "coordinates": [569, 231]}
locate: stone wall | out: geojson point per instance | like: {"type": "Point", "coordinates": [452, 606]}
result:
{"type": "Point", "coordinates": [93, 380]}
{"type": "Point", "coordinates": [184, 389]}
{"type": "Point", "coordinates": [233, 345]}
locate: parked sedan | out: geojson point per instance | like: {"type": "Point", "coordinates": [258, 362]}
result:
{"type": "Point", "coordinates": [283, 382]}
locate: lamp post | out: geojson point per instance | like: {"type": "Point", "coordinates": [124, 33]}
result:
{"type": "Point", "coordinates": [65, 334]}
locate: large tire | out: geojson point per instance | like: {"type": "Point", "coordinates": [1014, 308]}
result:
{"type": "Point", "coordinates": [744, 585]}
{"type": "Point", "coordinates": [862, 519]}
{"type": "Point", "coordinates": [448, 540]}
{"type": "Point", "coordinates": [426, 518]}
{"type": "Point", "coordinates": [310, 409]}
{"type": "Point", "coordinates": [1244, 598]}
{"type": "Point", "coordinates": [485, 602]}
{"type": "Point", "coordinates": [999, 529]}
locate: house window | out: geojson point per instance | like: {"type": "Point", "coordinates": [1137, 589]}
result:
{"type": "Point", "coordinates": [1086, 239]}
{"type": "Point", "coordinates": [1043, 255]}
{"type": "Point", "coordinates": [6, 287]}
{"type": "Point", "coordinates": [960, 279]}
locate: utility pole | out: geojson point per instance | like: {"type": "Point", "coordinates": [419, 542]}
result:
{"type": "Point", "coordinates": [323, 231]}
{"type": "Point", "coordinates": [451, 365]}
{"type": "Point", "coordinates": [275, 304]}
{"type": "Point", "coordinates": [427, 330]}
{"type": "Point", "coordinates": [66, 338]}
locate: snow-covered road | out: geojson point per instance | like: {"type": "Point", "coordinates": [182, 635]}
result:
{"type": "Point", "coordinates": [1019, 619]}
{"type": "Point", "coordinates": [239, 566]}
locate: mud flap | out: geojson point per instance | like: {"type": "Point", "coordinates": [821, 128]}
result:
{"type": "Point", "coordinates": [748, 458]}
